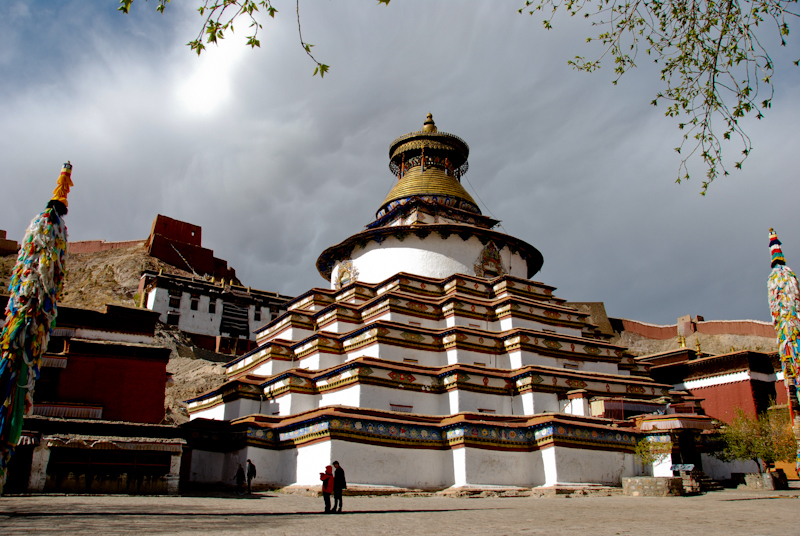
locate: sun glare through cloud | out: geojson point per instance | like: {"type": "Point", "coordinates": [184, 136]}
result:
{"type": "Point", "coordinates": [207, 86]}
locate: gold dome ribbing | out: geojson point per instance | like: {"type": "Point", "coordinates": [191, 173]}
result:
{"type": "Point", "coordinates": [433, 181]}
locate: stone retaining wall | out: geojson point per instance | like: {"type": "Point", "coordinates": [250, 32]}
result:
{"type": "Point", "coordinates": [648, 486]}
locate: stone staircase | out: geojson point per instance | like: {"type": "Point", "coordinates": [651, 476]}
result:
{"type": "Point", "coordinates": [698, 482]}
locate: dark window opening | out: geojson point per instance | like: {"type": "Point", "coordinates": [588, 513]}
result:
{"type": "Point", "coordinates": [172, 319]}
{"type": "Point", "coordinates": [257, 315]}
{"type": "Point", "coordinates": [212, 306]}
{"type": "Point", "coordinates": [174, 302]}
{"type": "Point", "coordinates": [194, 304]}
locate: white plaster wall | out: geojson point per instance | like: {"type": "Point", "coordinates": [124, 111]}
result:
{"type": "Point", "coordinates": [578, 406]}
{"type": "Point", "coordinates": [716, 469]}
{"type": "Point", "coordinates": [158, 300]}
{"type": "Point", "coordinates": [533, 403]}
{"type": "Point", "coordinates": [429, 257]}
{"type": "Point", "coordinates": [412, 321]}
{"type": "Point", "coordinates": [390, 352]}
{"type": "Point", "coordinates": [663, 467]}
{"type": "Point", "coordinates": [295, 403]}
{"type": "Point", "coordinates": [470, 401]}
{"type": "Point", "coordinates": [501, 468]}
{"type": "Point", "coordinates": [311, 461]}
{"type": "Point", "coordinates": [454, 400]}
{"type": "Point", "coordinates": [207, 466]}
{"type": "Point", "coordinates": [248, 406]}
{"type": "Point", "coordinates": [251, 317]}
{"type": "Point", "coordinates": [199, 321]}
{"type": "Point", "coordinates": [601, 366]}
{"type": "Point", "coordinates": [288, 334]}
{"type": "Point", "coordinates": [381, 466]}
{"type": "Point", "coordinates": [349, 396]}
{"type": "Point", "coordinates": [216, 413]}
{"type": "Point", "coordinates": [514, 322]}
{"type": "Point", "coordinates": [267, 368]}
{"type": "Point", "coordinates": [593, 466]}
{"type": "Point", "coordinates": [375, 397]}
{"type": "Point", "coordinates": [467, 322]}
{"type": "Point", "coordinates": [273, 467]}
{"type": "Point", "coordinates": [469, 357]}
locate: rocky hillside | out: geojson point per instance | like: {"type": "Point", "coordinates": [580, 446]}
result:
{"type": "Point", "coordinates": [714, 344]}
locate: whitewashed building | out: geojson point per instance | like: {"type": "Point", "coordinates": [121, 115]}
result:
{"type": "Point", "coordinates": [215, 313]}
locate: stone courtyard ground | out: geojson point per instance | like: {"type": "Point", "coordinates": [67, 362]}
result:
{"type": "Point", "coordinates": [728, 513]}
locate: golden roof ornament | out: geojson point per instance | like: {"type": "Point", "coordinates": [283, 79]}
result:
{"type": "Point", "coordinates": [429, 125]}
{"type": "Point", "coordinates": [442, 157]}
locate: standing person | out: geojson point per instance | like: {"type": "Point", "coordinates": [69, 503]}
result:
{"type": "Point", "coordinates": [239, 478]}
{"type": "Point", "coordinates": [339, 484]}
{"type": "Point", "coordinates": [251, 474]}
{"type": "Point", "coordinates": [327, 487]}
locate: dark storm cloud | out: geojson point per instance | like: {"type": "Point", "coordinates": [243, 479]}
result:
{"type": "Point", "coordinates": [277, 165]}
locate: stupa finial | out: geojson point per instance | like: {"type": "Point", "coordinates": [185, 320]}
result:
{"type": "Point", "coordinates": [429, 125]}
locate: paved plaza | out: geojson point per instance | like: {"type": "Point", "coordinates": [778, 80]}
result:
{"type": "Point", "coordinates": [728, 513]}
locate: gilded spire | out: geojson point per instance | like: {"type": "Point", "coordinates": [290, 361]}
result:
{"type": "Point", "coordinates": [429, 125]}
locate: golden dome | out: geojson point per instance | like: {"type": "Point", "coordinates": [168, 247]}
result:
{"type": "Point", "coordinates": [433, 181]}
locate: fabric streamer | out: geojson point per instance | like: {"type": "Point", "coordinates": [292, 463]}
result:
{"type": "Point", "coordinates": [36, 284]}
{"type": "Point", "coordinates": [784, 302]}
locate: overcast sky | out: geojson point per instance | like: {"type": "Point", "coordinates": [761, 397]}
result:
{"type": "Point", "coordinates": [277, 165]}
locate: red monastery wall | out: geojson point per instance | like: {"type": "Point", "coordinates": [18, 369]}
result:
{"type": "Point", "coordinates": [711, 327]}
{"type": "Point", "coordinates": [177, 230]}
{"type": "Point", "coordinates": [128, 389]}
{"type": "Point", "coordinates": [7, 247]}
{"type": "Point", "coordinates": [737, 327]}
{"type": "Point", "coordinates": [650, 331]}
{"type": "Point", "coordinates": [752, 396]}
{"type": "Point", "coordinates": [93, 246]}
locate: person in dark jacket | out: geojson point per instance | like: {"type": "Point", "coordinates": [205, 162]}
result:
{"type": "Point", "coordinates": [251, 474]}
{"type": "Point", "coordinates": [327, 487]}
{"type": "Point", "coordinates": [339, 484]}
{"type": "Point", "coordinates": [239, 478]}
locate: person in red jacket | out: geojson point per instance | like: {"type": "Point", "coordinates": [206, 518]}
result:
{"type": "Point", "coordinates": [327, 487]}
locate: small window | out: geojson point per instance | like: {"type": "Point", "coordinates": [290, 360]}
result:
{"type": "Point", "coordinates": [172, 319]}
{"type": "Point", "coordinates": [257, 315]}
{"type": "Point", "coordinates": [175, 302]}
{"type": "Point", "coordinates": [212, 306]}
{"type": "Point", "coordinates": [479, 364]}
{"type": "Point", "coordinates": [484, 410]}
{"type": "Point", "coordinates": [571, 366]}
{"type": "Point", "coordinates": [415, 323]}
{"type": "Point", "coordinates": [194, 304]}
{"type": "Point", "coordinates": [401, 408]}
{"type": "Point", "coordinates": [411, 361]}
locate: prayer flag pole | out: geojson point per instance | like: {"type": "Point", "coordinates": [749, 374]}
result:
{"type": "Point", "coordinates": [784, 305]}
{"type": "Point", "coordinates": [36, 284]}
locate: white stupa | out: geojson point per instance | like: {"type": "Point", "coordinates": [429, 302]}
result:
{"type": "Point", "coordinates": [431, 361]}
